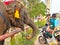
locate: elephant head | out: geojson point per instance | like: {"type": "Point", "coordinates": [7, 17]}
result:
{"type": "Point", "coordinates": [22, 19]}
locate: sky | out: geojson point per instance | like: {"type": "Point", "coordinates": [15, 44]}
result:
{"type": "Point", "coordinates": [54, 6]}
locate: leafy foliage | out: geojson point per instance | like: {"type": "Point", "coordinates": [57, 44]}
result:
{"type": "Point", "coordinates": [40, 23]}
{"type": "Point", "coordinates": [40, 8]}
{"type": "Point", "coordinates": [20, 38]}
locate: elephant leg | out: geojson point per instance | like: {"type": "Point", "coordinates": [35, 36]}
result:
{"type": "Point", "coordinates": [2, 42]}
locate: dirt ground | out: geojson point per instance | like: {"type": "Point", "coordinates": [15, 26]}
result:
{"type": "Point", "coordinates": [37, 43]}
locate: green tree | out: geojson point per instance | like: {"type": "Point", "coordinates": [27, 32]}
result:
{"type": "Point", "coordinates": [35, 7]}
{"type": "Point", "coordinates": [39, 8]}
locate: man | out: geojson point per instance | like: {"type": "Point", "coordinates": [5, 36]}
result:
{"type": "Point", "coordinates": [53, 25]}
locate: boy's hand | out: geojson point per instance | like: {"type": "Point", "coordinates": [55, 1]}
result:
{"type": "Point", "coordinates": [53, 32]}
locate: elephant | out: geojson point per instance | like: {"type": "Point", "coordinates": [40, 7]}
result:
{"type": "Point", "coordinates": [7, 18]}
{"type": "Point", "coordinates": [24, 16]}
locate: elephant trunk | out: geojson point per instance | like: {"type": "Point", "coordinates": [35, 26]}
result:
{"type": "Point", "coordinates": [31, 24]}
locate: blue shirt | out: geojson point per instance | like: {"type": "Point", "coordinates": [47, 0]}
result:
{"type": "Point", "coordinates": [54, 23]}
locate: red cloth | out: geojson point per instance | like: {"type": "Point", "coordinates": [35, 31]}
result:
{"type": "Point", "coordinates": [8, 2]}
